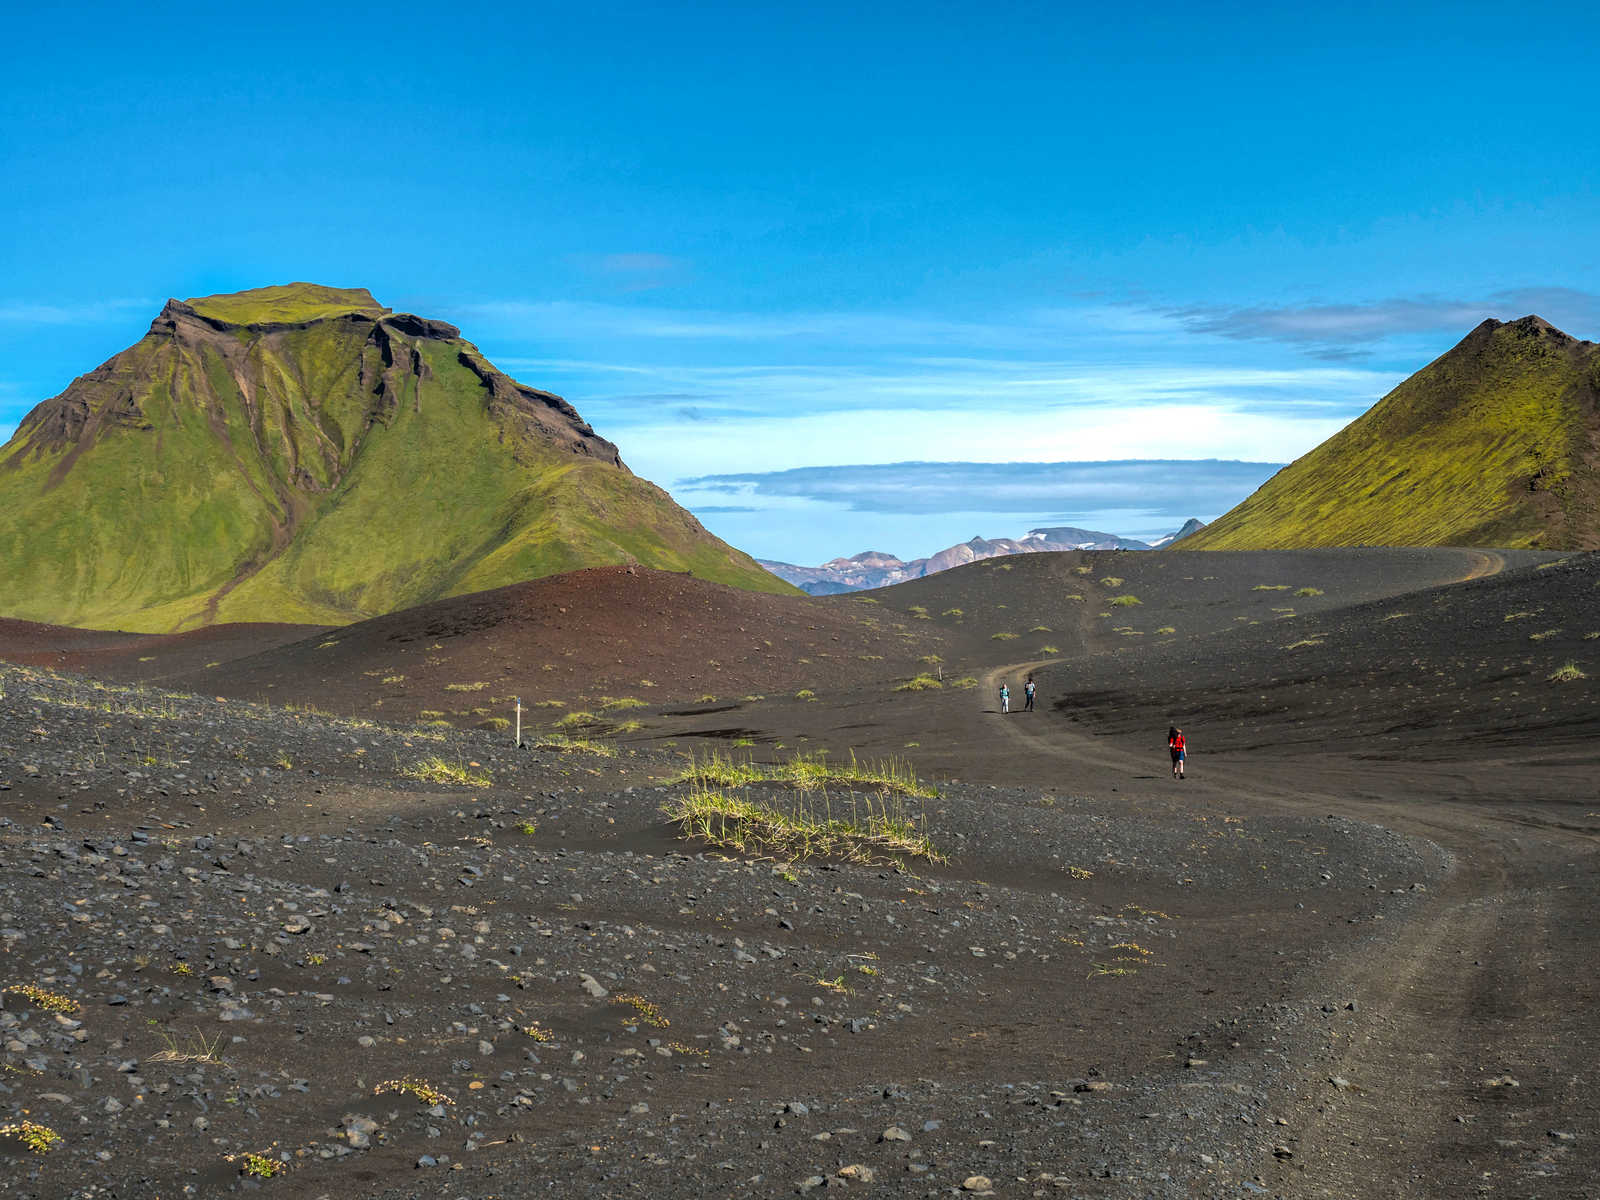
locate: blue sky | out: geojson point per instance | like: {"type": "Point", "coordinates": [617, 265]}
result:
{"type": "Point", "coordinates": [752, 239]}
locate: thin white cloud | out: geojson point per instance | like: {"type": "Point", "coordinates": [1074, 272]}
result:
{"type": "Point", "coordinates": [32, 312]}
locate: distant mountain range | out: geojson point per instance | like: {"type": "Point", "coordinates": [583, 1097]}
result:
{"type": "Point", "coordinates": [1494, 443]}
{"type": "Point", "coordinates": [874, 569]}
{"type": "Point", "coordinates": [304, 454]}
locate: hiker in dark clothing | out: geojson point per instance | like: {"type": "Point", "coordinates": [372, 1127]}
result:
{"type": "Point", "coordinates": [1027, 692]}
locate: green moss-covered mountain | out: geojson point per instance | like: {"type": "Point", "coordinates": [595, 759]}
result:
{"type": "Point", "coordinates": [1495, 443]}
{"type": "Point", "coordinates": [302, 453]}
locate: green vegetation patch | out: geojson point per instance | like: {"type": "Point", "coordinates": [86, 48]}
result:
{"type": "Point", "coordinates": [435, 769]}
{"type": "Point", "coordinates": [920, 683]}
{"type": "Point", "coordinates": [871, 832]}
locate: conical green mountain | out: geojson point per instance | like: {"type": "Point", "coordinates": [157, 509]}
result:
{"type": "Point", "coordinates": [302, 453]}
{"type": "Point", "coordinates": [1495, 443]}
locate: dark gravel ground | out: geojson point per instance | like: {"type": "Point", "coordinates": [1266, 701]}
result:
{"type": "Point", "coordinates": [607, 1008]}
{"type": "Point", "coordinates": [1309, 970]}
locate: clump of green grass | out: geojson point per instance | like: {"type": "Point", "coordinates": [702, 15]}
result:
{"type": "Point", "coordinates": [919, 612]}
{"type": "Point", "coordinates": [881, 831]}
{"type": "Point", "coordinates": [1124, 601]}
{"type": "Point", "coordinates": [578, 717]}
{"type": "Point", "coordinates": [618, 703]}
{"type": "Point", "coordinates": [435, 769]}
{"type": "Point", "coordinates": [805, 694]}
{"type": "Point", "coordinates": [40, 1139]}
{"type": "Point", "coordinates": [1166, 629]}
{"type": "Point", "coordinates": [966, 681]}
{"type": "Point", "coordinates": [566, 745]}
{"type": "Point", "coordinates": [1049, 650]}
{"type": "Point", "coordinates": [419, 1089]}
{"type": "Point", "coordinates": [920, 683]}
{"type": "Point", "coordinates": [465, 687]}
{"type": "Point", "coordinates": [1519, 616]}
{"type": "Point", "coordinates": [258, 1166]}
{"type": "Point", "coordinates": [495, 723]}
{"type": "Point", "coordinates": [627, 727]}
{"type": "Point", "coordinates": [1270, 587]}
{"type": "Point", "coordinates": [394, 679]}
{"type": "Point", "coordinates": [1310, 641]}
{"type": "Point", "coordinates": [1308, 591]}
{"type": "Point", "coordinates": [53, 1002]}
{"type": "Point", "coordinates": [1111, 581]}
{"type": "Point", "coordinates": [953, 612]}
{"type": "Point", "coordinates": [1542, 634]}
{"type": "Point", "coordinates": [1002, 637]}
{"type": "Point", "coordinates": [804, 771]}
{"type": "Point", "coordinates": [1041, 629]}
{"type": "Point", "coordinates": [1570, 673]}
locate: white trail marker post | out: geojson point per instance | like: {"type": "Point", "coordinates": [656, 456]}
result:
{"type": "Point", "coordinates": [519, 722]}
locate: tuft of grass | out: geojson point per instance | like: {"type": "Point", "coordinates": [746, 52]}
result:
{"type": "Point", "coordinates": [966, 681]}
{"type": "Point", "coordinates": [1166, 629]}
{"type": "Point", "coordinates": [1542, 634]}
{"type": "Point", "coordinates": [805, 694]}
{"type": "Point", "coordinates": [1049, 650]}
{"type": "Point", "coordinates": [258, 1166]}
{"type": "Point", "coordinates": [578, 717]}
{"type": "Point", "coordinates": [196, 1049]}
{"type": "Point", "coordinates": [1124, 601]}
{"type": "Point", "coordinates": [465, 687]}
{"type": "Point", "coordinates": [394, 679]}
{"type": "Point", "coordinates": [1270, 587]}
{"type": "Point", "coordinates": [409, 1085]}
{"type": "Point", "coordinates": [53, 1002]}
{"type": "Point", "coordinates": [1570, 673]}
{"type": "Point", "coordinates": [619, 703]}
{"type": "Point", "coordinates": [435, 769]}
{"type": "Point", "coordinates": [1112, 581]}
{"type": "Point", "coordinates": [920, 683]}
{"type": "Point", "coordinates": [627, 727]}
{"type": "Point", "coordinates": [40, 1139]}
{"type": "Point", "coordinates": [919, 612]}
{"type": "Point", "coordinates": [953, 612]}
{"type": "Point", "coordinates": [804, 771]}
{"type": "Point", "coordinates": [1002, 637]}
{"type": "Point", "coordinates": [647, 1012]}
{"type": "Point", "coordinates": [879, 831]}
{"type": "Point", "coordinates": [1310, 641]}
{"type": "Point", "coordinates": [1041, 629]}
{"type": "Point", "coordinates": [1308, 591]}
{"type": "Point", "coordinates": [495, 723]}
{"type": "Point", "coordinates": [566, 745]}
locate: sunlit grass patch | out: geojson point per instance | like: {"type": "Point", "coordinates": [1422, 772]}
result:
{"type": "Point", "coordinates": [1002, 637]}
{"type": "Point", "coordinates": [1542, 634]}
{"type": "Point", "coordinates": [878, 830]}
{"type": "Point", "coordinates": [40, 1139]}
{"type": "Point", "coordinates": [418, 1089]}
{"type": "Point", "coordinates": [1308, 591]}
{"type": "Point", "coordinates": [1310, 641]}
{"type": "Point", "coordinates": [618, 703]}
{"type": "Point", "coordinates": [1124, 601]}
{"type": "Point", "coordinates": [566, 745]}
{"type": "Point", "coordinates": [920, 683]}
{"type": "Point", "coordinates": [1270, 587]}
{"type": "Point", "coordinates": [435, 769]}
{"type": "Point", "coordinates": [805, 771]}
{"type": "Point", "coordinates": [579, 717]}
{"type": "Point", "coordinates": [1112, 581]}
{"type": "Point", "coordinates": [1570, 673]}
{"type": "Point", "coordinates": [465, 687]}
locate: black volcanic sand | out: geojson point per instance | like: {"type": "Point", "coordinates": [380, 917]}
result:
{"type": "Point", "coordinates": [1353, 961]}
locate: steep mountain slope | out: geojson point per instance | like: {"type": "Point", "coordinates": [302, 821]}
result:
{"type": "Point", "coordinates": [1496, 443]}
{"type": "Point", "coordinates": [303, 454]}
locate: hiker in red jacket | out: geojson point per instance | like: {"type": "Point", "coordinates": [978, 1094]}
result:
{"type": "Point", "coordinates": [1175, 743]}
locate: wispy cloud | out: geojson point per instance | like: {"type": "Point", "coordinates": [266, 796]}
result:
{"type": "Point", "coordinates": [1155, 487]}
{"type": "Point", "coordinates": [1335, 329]}
{"type": "Point", "coordinates": [33, 312]}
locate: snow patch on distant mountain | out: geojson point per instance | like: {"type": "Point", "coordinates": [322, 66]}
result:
{"type": "Point", "coordinates": [875, 568]}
